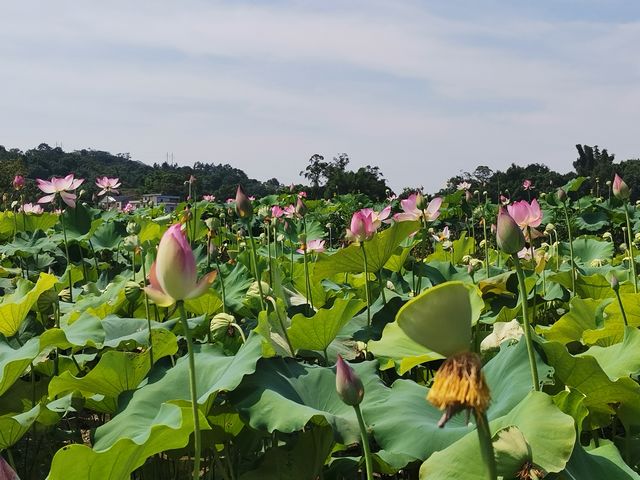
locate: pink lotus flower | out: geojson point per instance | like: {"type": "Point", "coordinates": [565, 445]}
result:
{"type": "Point", "coordinates": [361, 227]}
{"type": "Point", "coordinates": [18, 182]}
{"type": "Point", "coordinates": [63, 186]}
{"type": "Point", "coordinates": [302, 194]}
{"type": "Point", "coordinates": [464, 186]}
{"type": "Point", "coordinates": [108, 185]}
{"type": "Point", "coordinates": [277, 211]}
{"type": "Point", "coordinates": [128, 208]}
{"type": "Point", "coordinates": [527, 185]}
{"type": "Point", "coordinates": [173, 275]}
{"type": "Point", "coordinates": [31, 208]}
{"type": "Point", "coordinates": [316, 246]}
{"type": "Point", "coordinates": [526, 214]}
{"type": "Point", "coordinates": [290, 211]}
{"type": "Point", "coordinates": [209, 198]}
{"type": "Point", "coordinates": [413, 212]}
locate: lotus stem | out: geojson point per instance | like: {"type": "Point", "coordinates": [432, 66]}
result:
{"type": "Point", "coordinates": [486, 445]}
{"type": "Point", "coordinates": [366, 283]}
{"type": "Point", "coordinates": [624, 315]}
{"type": "Point", "coordinates": [632, 262]}
{"type": "Point", "coordinates": [365, 443]}
{"type": "Point", "coordinates": [573, 265]}
{"type": "Point", "coordinates": [192, 389]}
{"type": "Point", "coordinates": [146, 307]}
{"type": "Point", "coordinates": [525, 320]}
{"type": "Point", "coordinates": [254, 259]}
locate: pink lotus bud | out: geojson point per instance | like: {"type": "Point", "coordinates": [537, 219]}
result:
{"type": "Point", "coordinates": [527, 184]}
{"type": "Point", "coordinates": [420, 201]}
{"type": "Point", "coordinates": [468, 196]}
{"type": "Point", "coordinates": [18, 182]}
{"type": "Point", "coordinates": [243, 204]}
{"type": "Point", "coordinates": [620, 188]}
{"type": "Point", "coordinates": [301, 208]}
{"type": "Point", "coordinates": [509, 237]}
{"type": "Point", "coordinates": [362, 227]}
{"type": "Point", "coordinates": [348, 384]}
{"type": "Point", "coordinates": [615, 284]}
{"type": "Point", "coordinates": [173, 275]}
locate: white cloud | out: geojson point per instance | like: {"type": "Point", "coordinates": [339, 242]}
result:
{"type": "Point", "coordinates": [264, 86]}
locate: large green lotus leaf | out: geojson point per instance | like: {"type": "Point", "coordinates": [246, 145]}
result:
{"type": "Point", "coordinates": [142, 408]}
{"type": "Point", "coordinates": [621, 359]}
{"type": "Point", "coordinates": [571, 402]}
{"type": "Point", "coordinates": [116, 372]}
{"type": "Point", "coordinates": [584, 374]}
{"type": "Point", "coordinates": [14, 307]}
{"type": "Point", "coordinates": [285, 395]}
{"type": "Point", "coordinates": [599, 463]}
{"type": "Point", "coordinates": [208, 304]}
{"type": "Point", "coordinates": [108, 235]}
{"type": "Point", "coordinates": [31, 222]}
{"type": "Point", "coordinates": [396, 349]}
{"type": "Point", "coordinates": [105, 303]}
{"type": "Point", "coordinates": [378, 251]}
{"type": "Point", "coordinates": [79, 222]}
{"type": "Point", "coordinates": [413, 434]}
{"type": "Point", "coordinates": [594, 286]}
{"type": "Point", "coordinates": [318, 331]}
{"type": "Point", "coordinates": [549, 432]}
{"type": "Point", "coordinates": [440, 318]}
{"type": "Point", "coordinates": [570, 327]}
{"type": "Point", "coordinates": [171, 430]}
{"type": "Point", "coordinates": [587, 250]}
{"type": "Point", "coordinates": [614, 323]}
{"type": "Point", "coordinates": [272, 327]}
{"type": "Point", "coordinates": [29, 244]}
{"type": "Point", "coordinates": [13, 427]}
{"type": "Point", "coordinates": [236, 284]}
{"type": "Point", "coordinates": [592, 221]}
{"type": "Point", "coordinates": [318, 293]}
{"type": "Point", "coordinates": [14, 361]}
{"type": "Point", "coordinates": [302, 459]}
{"type": "Point", "coordinates": [149, 231]}
{"type": "Point", "coordinates": [398, 259]}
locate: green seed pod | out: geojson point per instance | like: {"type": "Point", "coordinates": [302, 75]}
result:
{"type": "Point", "coordinates": [132, 291]}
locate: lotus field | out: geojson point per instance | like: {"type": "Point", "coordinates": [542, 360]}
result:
{"type": "Point", "coordinates": [458, 337]}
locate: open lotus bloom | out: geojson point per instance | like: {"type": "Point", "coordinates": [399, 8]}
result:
{"type": "Point", "coordinates": [173, 275]}
{"type": "Point", "coordinates": [412, 211]}
{"type": "Point", "coordinates": [316, 246]}
{"type": "Point", "coordinates": [108, 185]}
{"type": "Point", "coordinates": [63, 186]}
{"type": "Point", "coordinates": [32, 208]}
{"type": "Point", "coordinates": [526, 214]}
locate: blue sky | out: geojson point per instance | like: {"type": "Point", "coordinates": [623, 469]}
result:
{"type": "Point", "coordinates": [424, 90]}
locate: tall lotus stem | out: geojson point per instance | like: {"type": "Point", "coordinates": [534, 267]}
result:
{"type": "Point", "coordinates": [66, 252]}
{"type": "Point", "coordinates": [254, 260]}
{"type": "Point", "coordinates": [525, 320]}
{"type": "Point", "coordinates": [366, 283]}
{"type": "Point", "coordinates": [486, 244]}
{"type": "Point", "coordinates": [307, 283]}
{"type": "Point", "coordinates": [573, 265]}
{"type": "Point", "coordinates": [486, 445]}
{"type": "Point", "coordinates": [192, 390]}
{"type": "Point", "coordinates": [146, 306]}
{"type": "Point", "coordinates": [365, 443]}
{"type": "Point", "coordinates": [632, 262]}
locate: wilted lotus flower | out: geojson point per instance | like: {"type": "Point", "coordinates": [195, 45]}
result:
{"type": "Point", "coordinates": [348, 384]}
{"type": "Point", "coordinates": [526, 214]}
{"type": "Point", "coordinates": [243, 204]}
{"type": "Point", "coordinates": [18, 182]}
{"type": "Point", "coordinates": [301, 208]}
{"type": "Point", "coordinates": [414, 210]}
{"type": "Point", "coordinates": [208, 198]}
{"type": "Point", "coordinates": [31, 208]}
{"type": "Point", "coordinates": [509, 237]}
{"type": "Point", "coordinates": [108, 185]}
{"type": "Point", "coordinates": [63, 186]}
{"type": "Point", "coordinates": [620, 188]}
{"type": "Point", "coordinates": [128, 208]}
{"type": "Point", "coordinates": [173, 275]}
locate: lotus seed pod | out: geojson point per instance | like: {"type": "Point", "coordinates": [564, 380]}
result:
{"type": "Point", "coordinates": [562, 195]}
{"type": "Point", "coordinates": [133, 228]}
{"type": "Point", "coordinates": [132, 291]}
{"type": "Point", "coordinates": [131, 243]}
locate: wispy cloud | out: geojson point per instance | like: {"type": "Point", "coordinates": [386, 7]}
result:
{"type": "Point", "coordinates": [423, 93]}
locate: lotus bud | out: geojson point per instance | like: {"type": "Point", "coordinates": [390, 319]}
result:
{"type": "Point", "coordinates": [509, 237]}
{"type": "Point", "coordinates": [562, 195]}
{"type": "Point", "coordinates": [243, 204]}
{"type": "Point", "coordinates": [348, 384]}
{"type": "Point", "coordinates": [18, 182]}
{"type": "Point", "coordinates": [620, 188]}
{"type": "Point", "coordinates": [133, 228]}
{"type": "Point", "coordinates": [131, 243]}
{"type": "Point", "coordinates": [549, 228]}
{"type": "Point", "coordinates": [468, 196]}
{"type": "Point", "coordinates": [301, 208]}
{"type": "Point", "coordinates": [421, 203]}
{"type": "Point", "coordinates": [132, 291]}
{"type": "Point", "coordinates": [608, 183]}
{"type": "Point", "coordinates": [615, 284]}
